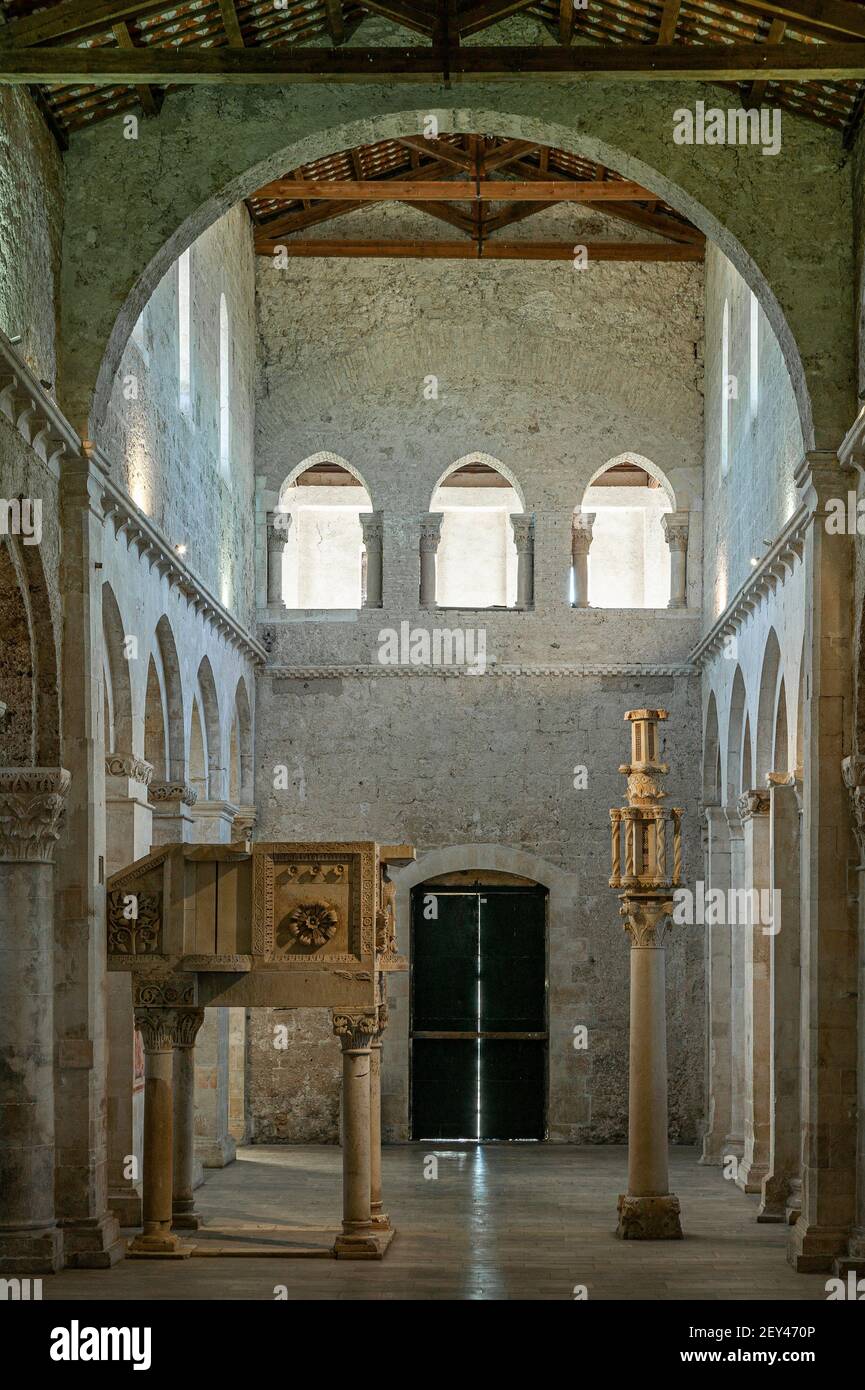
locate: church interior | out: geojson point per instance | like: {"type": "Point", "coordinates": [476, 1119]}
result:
{"type": "Point", "coordinates": [432, 741]}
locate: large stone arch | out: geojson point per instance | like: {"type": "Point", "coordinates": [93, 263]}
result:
{"type": "Point", "coordinates": [711, 755]}
{"type": "Point", "coordinates": [770, 676]}
{"type": "Point", "coordinates": [120, 737]}
{"type": "Point", "coordinates": [174, 704]}
{"type": "Point", "coordinates": [30, 726]}
{"type": "Point", "coordinates": [735, 736]}
{"type": "Point", "coordinates": [167, 187]}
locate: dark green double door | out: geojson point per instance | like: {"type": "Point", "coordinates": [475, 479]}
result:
{"type": "Point", "coordinates": [479, 1014]}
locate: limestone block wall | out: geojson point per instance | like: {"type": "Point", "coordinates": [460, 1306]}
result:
{"type": "Point", "coordinates": [747, 507]}
{"type": "Point", "coordinates": [480, 767]}
{"type": "Point", "coordinates": [31, 224]}
{"type": "Point", "coordinates": [169, 459]}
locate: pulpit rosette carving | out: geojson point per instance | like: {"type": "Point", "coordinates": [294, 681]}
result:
{"type": "Point", "coordinates": [646, 836]}
{"type": "Point", "coordinates": [356, 1030]}
{"type": "Point", "coordinates": [134, 922]}
{"type": "Point", "coordinates": [32, 808]}
{"type": "Point", "coordinates": [316, 903]}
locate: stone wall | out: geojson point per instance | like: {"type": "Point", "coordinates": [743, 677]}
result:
{"type": "Point", "coordinates": [169, 460]}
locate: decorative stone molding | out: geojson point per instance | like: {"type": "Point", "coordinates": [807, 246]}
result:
{"type": "Point", "coordinates": [32, 806]}
{"type": "Point", "coordinates": [493, 668]}
{"type": "Point", "coordinates": [355, 1031]}
{"type": "Point", "coordinates": [127, 765]}
{"type": "Point", "coordinates": [163, 992]}
{"type": "Point", "coordinates": [160, 792]}
{"type": "Point", "coordinates": [754, 802]}
{"type": "Point", "coordinates": [30, 409]}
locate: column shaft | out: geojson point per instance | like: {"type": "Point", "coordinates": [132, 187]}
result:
{"type": "Point", "coordinates": [718, 986]}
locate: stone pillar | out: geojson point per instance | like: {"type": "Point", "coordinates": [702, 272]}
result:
{"type": "Point", "coordinates": [215, 1146]}
{"type": "Point", "coordinates": [734, 1144]}
{"type": "Point", "coordinates": [718, 984]}
{"type": "Point", "coordinates": [675, 526]}
{"type": "Point", "coordinates": [372, 524]}
{"type": "Point", "coordinates": [183, 1203]}
{"type": "Point", "coordinates": [581, 541]}
{"type": "Point", "coordinates": [172, 820]}
{"type": "Point", "coordinates": [278, 527]}
{"type": "Point", "coordinates": [754, 814]}
{"type": "Point", "coordinates": [430, 535]}
{"type": "Point", "coordinates": [648, 1211]}
{"type": "Point", "coordinates": [32, 802]}
{"type": "Point", "coordinates": [212, 822]}
{"type": "Point", "coordinates": [784, 1004]}
{"type": "Point", "coordinates": [360, 1237]}
{"type": "Point", "coordinates": [161, 1029]}
{"type": "Point", "coordinates": [379, 1215]}
{"type": "Point", "coordinates": [854, 777]}
{"type": "Point", "coordinates": [829, 929]}
{"type": "Point", "coordinates": [129, 835]}
{"type": "Point", "coordinates": [91, 1234]}
{"type": "Point", "coordinates": [523, 527]}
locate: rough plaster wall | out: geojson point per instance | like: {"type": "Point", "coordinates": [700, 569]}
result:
{"type": "Point", "coordinates": [170, 462]}
{"type": "Point", "coordinates": [758, 495]}
{"type": "Point", "coordinates": [31, 224]}
{"type": "Point", "coordinates": [442, 762]}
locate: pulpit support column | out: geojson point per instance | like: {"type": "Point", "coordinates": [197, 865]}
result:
{"type": "Point", "coordinates": [359, 1239]}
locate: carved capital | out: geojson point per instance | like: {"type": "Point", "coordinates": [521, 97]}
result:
{"type": "Point", "coordinates": [32, 805]}
{"type": "Point", "coordinates": [127, 765]}
{"type": "Point", "coordinates": [164, 1029]}
{"type": "Point", "coordinates": [278, 527]}
{"type": "Point", "coordinates": [753, 803]}
{"type": "Point", "coordinates": [523, 528]}
{"type": "Point", "coordinates": [430, 532]}
{"type": "Point", "coordinates": [372, 525]}
{"type": "Point", "coordinates": [161, 792]}
{"type": "Point", "coordinates": [646, 920]}
{"type": "Point", "coordinates": [355, 1031]}
{"type": "Point", "coordinates": [581, 533]}
{"type": "Point", "coordinates": [675, 525]}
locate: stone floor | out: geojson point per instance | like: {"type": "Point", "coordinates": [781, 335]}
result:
{"type": "Point", "coordinates": [521, 1221]}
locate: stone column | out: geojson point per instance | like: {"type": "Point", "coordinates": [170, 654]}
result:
{"type": "Point", "coordinates": [360, 1238]}
{"type": "Point", "coordinates": [581, 541]}
{"type": "Point", "coordinates": [183, 1203]}
{"type": "Point", "coordinates": [523, 527]}
{"type": "Point", "coordinates": [372, 524]}
{"type": "Point", "coordinates": [172, 821]}
{"type": "Point", "coordinates": [675, 526]}
{"type": "Point", "coordinates": [278, 526]}
{"type": "Point", "coordinates": [854, 778]}
{"type": "Point", "coordinates": [829, 929]}
{"type": "Point", "coordinates": [784, 1003]}
{"type": "Point", "coordinates": [718, 984]}
{"type": "Point", "coordinates": [430, 535]}
{"type": "Point", "coordinates": [129, 834]}
{"type": "Point", "coordinates": [753, 809]}
{"type": "Point", "coordinates": [379, 1215]}
{"type": "Point", "coordinates": [648, 1211]}
{"type": "Point", "coordinates": [91, 1234]}
{"type": "Point", "coordinates": [161, 1029]}
{"type": "Point", "coordinates": [32, 802]}
{"type": "Point", "coordinates": [734, 1144]}
{"type": "Point", "coordinates": [215, 1146]}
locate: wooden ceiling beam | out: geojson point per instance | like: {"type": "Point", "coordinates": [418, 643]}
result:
{"type": "Point", "coordinates": [739, 62]}
{"type": "Point", "coordinates": [777, 30]}
{"type": "Point", "coordinates": [506, 154]}
{"type": "Point", "coordinates": [448, 154]}
{"type": "Point", "coordinates": [231, 23]}
{"type": "Point", "coordinates": [489, 12]}
{"type": "Point", "coordinates": [335, 20]}
{"type": "Point", "coordinates": [75, 19]}
{"type": "Point", "coordinates": [460, 190]}
{"type": "Point", "coordinates": [445, 213]}
{"type": "Point", "coordinates": [419, 18]}
{"type": "Point", "coordinates": [489, 250]}
{"type": "Point", "coordinates": [669, 20]}
{"type": "Point", "coordinates": [566, 21]}
{"type": "Point", "coordinates": [151, 98]}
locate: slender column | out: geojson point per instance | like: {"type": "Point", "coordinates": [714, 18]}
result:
{"type": "Point", "coordinates": [430, 535]}
{"type": "Point", "coordinates": [718, 984]}
{"type": "Point", "coordinates": [734, 1145]}
{"type": "Point", "coordinates": [675, 526]}
{"type": "Point", "coordinates": [523, 527]}
{"type": "Point", "coordinates": [648, 1211]}
{"type": "Point", "coordinates": [854, 778]}
{"type": "Point", "coordinates": [183, 1202]}
{"type": "Point", "coordinates": [581, 542]}
{"type": "Point", "coordinates": [784, 1004]}
{"type": "Point", "coordinates": [172, 820]}
{"type": "Point", "coordinates": [91, 1233]}
{"type": "Point", "coordinates": [372, 524]}
{"type": "Point", "coordinates": [754, 814]}
{"type": "Point", "coordinates": [359, 1237]}
{"type": "Point", "coordinates": [160, 1029]}
{"type": "Point", "coordinates": [829, 929]}
{"type": "Point", "coordinates": [379, 1215]}
{"type": "Point", "coordinates": [31, 812]}
{"type": "Point", "coordinates": [278, 526]}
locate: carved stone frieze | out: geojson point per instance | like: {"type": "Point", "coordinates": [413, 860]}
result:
{"type": "Point", "coordinates": [134, 923]}
{"type": "Point", "coordinates": [160, 792]}
{"type": "Point", "coordinates": [163, 992]}
{"type": "Point", "coordinates": [127, 765]}
{"type": "Point", "coordinates": [32, 806]}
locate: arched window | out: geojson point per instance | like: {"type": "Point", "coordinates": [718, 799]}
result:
{"type": "Point", "coordinates": [476, 560]}
{"type": "Point", "coordinates": [629, 558]}
{"type": "Point", "coordinates": [727, 388]}
{"type": "Point", "coordinates": [184, 332]}
{"type": "Point", "coordinates": [322, 559]}
{"type": "Point", "coordinates": [224, 390]}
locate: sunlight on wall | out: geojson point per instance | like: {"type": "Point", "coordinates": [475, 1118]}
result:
{"type": "Point", "coordinates": [629, 561]}
{"type": "Point", "coordinates": [476, 564]}
{"type": "Point", "coordinates": [322, 560]}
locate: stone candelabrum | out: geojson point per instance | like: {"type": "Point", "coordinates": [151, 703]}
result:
{"type": "Point", "coordinates": [646, 839]}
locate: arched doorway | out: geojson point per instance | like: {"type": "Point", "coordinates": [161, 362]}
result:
{"type": "Point", "coordinates": [479, 1028]}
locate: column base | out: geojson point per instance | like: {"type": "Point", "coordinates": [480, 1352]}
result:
{"type": "Point", "coordinates": [126, 1206]}
{"type": "Point", "coordinates": [714, 1152]}
{"type": "Point", "coordinates": [93, 1244]}
{"type": "Point", "coordinates": [813, 1249]}
{"type": "Point", "coordinates": [369, 1244]}
{"type": "Point", "coordinates": [855, 1257]}
{"type": "Point", "coordinates": [381, 1220]}
{"type": "Point", "coordinates": [159, 1245]}
{"type": "Point", "coordinates": [184, 1221]}
{"type": "Point", "coordinates": [649, 1218]}
{"type": "Point", "coordinates": [774, 1196]}
{"type": "Point", "coordinates": [31, 1252]}
{"type": "Point", "coordinates": [216, 1153]}
{"type": "Point", "coordinates": [750, 1177]}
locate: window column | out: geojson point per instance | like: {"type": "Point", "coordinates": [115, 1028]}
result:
{"type": "Point", "coordinates": [675, 526]}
